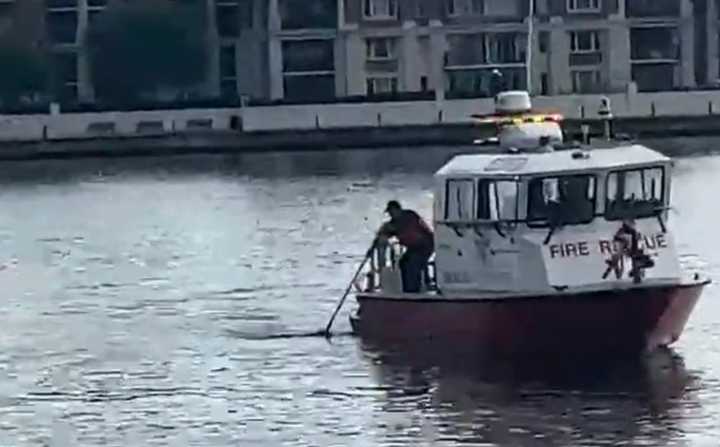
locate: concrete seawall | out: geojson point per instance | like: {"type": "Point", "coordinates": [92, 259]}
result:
{"type": "Point", "coordinates": [651, 115]}
{"type": "Point", "coordinates": [348, 138]}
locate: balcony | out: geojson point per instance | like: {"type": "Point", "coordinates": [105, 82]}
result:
{"type": "Point", "coordinates": [585, 48]}
{"type": "Point", "coordinates": [233, 16]}
{"type": "Point", "coordinates": [478, 83]}
{"type": "Point", "coordinates": [652, 8]}
{"type": "Point", "coordinates": [465, 50]}
{"type": "Point", "coordinates": [381, 55]}
{"type": "Point", "coordinates": [59, 5]}
{"type": "Point", "coordinates": [485, 50]}
{"type": "Point", "coordinates": [308, 69]}
{"type": "Point", "coordinates": [96, 4]}
{"type": "Point", "coordinates": [380, 10]}
{"type": "Point", "coordinates": [309, 88]}
{"type": "Point", "coordinates": [654, 77]}
{"type": "Point", "coordinates": [654, 45]}
{"type": "Point", "coordinates": [485, 10]}
{"type": "Point", "coordinates": [585, 59]}
{"type": "Point", "coordinates": [308, 56]}
{"type": "Point", "coordinates": [304, 14]}
{"type": "Point", "coordinates": [587, 82]}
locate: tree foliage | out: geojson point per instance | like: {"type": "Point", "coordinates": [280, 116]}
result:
{"type": "Point", "coordinates": [23, 72]}
{"type": "Point", "coordinates": [23, 61]}
{"type": "Point", "coordinates": [138, 46]}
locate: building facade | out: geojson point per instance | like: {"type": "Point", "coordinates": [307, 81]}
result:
{"type": "Point", "coordinates": [312, 50]}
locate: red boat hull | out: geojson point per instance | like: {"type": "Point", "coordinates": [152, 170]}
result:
{"type": "Point", "coordinates": [630, 320]}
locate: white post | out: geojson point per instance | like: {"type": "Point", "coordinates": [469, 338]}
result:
{"type": "Point", "coordinates": [528, 53]}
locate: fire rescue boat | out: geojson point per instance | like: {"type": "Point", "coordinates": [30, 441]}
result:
{"type": "Point", "coordinates": [541, 249]}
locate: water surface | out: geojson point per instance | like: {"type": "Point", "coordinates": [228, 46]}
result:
{"type": "Point", "coordinates": [141, 298]}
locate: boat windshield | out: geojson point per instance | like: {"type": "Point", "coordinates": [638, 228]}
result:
{"type": "Point", "coordinates": [497, 200]}
{"type": "Point", "coordinates": [635, 193]}
{"type": "Point", "coordinates": [483, 200]}
{"type": "Point", "coordinates": [562, 200]}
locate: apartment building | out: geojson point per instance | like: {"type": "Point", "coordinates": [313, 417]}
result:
{"type": "Point", "coordinates": [311, 50]}
{"type": "Point", "coordinates": [237, 45]}
{"type": "Point", "coordinates": [577, 46]}
{"type": "Point", "coordinates": [304, 63]}
{"type": "Point", "coordinates": [236, 34]}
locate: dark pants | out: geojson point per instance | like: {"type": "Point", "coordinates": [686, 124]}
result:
{"type": "Point", "coordinates": [412, 265]}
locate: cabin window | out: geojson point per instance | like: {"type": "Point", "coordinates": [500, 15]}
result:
{"type": "Point", "coordinates": [635, 193]}
{"type": "Point", "coordinates": [563, 200]}
{"type": "Point", "coordinates": [459, 198]}
{"type": "Point", "coordinates": [497, 200]}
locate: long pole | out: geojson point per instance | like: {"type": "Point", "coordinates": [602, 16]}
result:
{"type": "Point", "coordinates": [529, 52]}
{"type": "Point", "coordinates": [347, 291]}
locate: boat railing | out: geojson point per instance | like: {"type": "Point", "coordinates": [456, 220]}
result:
{"type": "Point", "coordinates": [385, 257]}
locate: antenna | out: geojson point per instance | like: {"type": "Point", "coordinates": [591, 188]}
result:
{"type": "Point", "coordinates": [528, 52]}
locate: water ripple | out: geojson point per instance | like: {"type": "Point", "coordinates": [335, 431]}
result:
{"type": "Point", "coordinates": [182, 303]}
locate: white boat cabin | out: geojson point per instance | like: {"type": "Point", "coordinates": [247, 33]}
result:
{"type": "Point", "coordinates": [528, 222]}
{"type": "Point", "coordinates": [547, 222]}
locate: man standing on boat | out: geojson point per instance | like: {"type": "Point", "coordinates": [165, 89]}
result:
{"type": "Point", "coordinates": [416, 236]}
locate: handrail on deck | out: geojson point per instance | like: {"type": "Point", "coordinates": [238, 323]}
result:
{"type": "Point", "coordinates": [380, 258]}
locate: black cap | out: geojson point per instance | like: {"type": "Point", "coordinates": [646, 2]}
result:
{"type": "Point", "coordinates": [393, 204]}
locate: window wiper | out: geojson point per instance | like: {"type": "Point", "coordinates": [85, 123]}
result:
{"type": "Point", "coordinates": [555, 221]}
{"type": "Point", "coordinates": [658, 213]}
{"type": "Point", "coordinates": [499, 230]}
{"type": "Point", "coordinates": [549, 234]}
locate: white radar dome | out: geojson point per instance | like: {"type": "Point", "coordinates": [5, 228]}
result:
{"type": "Point", "coordinates": [513, 102]}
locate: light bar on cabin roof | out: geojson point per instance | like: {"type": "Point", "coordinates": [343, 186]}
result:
{"type": "Point", "coordinates": [518, 118]}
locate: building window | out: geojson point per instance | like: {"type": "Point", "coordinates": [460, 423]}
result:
{"type": "Point", "coordinates": [380, 9]}
{"type": "Point", "coordinates": [543, 39]}
{"type": "Point", "coordinates": [303, 14]}
{"type": "Point", "coordinates": [228, 88]}
{"type": "Point", "coordinates": [227, 61]}
{"type": "Point", "coordinates": [485, 49]}
{"type": "Point", "coordinates": [654, 44]}
{"type": "Point", "coordinates": [421, 9]}
{"type": "Point", "coordinates": [505, 48]}
{"type": "Point", "coordinates": [380, 49]}
{"type": "Point", "coordinates": [302, 56]}
{"type": "Point", "coordinates": [65, 66]}
{"type": "Point", "coordinates": [583, 5]}
{"type": "Point", "coordinates": [93, 16]}
{"type": "Point", "coordinates": [585, 81]}
{"type": "Point", "coordinates": [652, 8]}
{"type": "Point", "coordinates": [228, 71]}
{"type": "Point", "coordinates": [382, 84]}
{"type": "Point", "coordinates": [228, 19]}
{"type": "Point", "coordinates": [309, 88]}
{"type": "Point", "coordinates": [465, 7]}
{"type": "Point", "coordinates": [62, 26]}
{"type": "Point", "coordinates": [654, 77]}
{"type": "Point", "coordinates": [473, 83]}
{"type": "Point", "coordinates": [544, 88]}
{"type": "Point", "coordinates": [423, 83]}
{"type": "Point", "coordinates": [584, 42]}
{"type": "Point", "coordinates": [58, 4]}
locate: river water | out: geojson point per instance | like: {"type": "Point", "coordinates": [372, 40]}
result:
{"type": "Point", "coordinates": [142, 300]}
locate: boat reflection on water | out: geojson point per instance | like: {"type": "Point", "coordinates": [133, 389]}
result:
{"type": "Point", "coordinates": [454, 398]}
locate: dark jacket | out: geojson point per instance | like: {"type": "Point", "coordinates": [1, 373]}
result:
{"type": "Point", "coordinates": [411, 230]}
